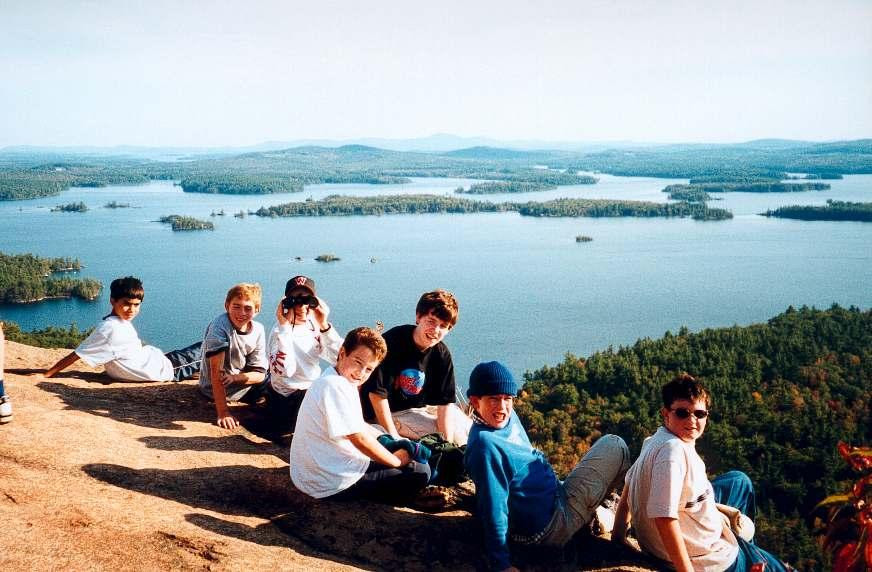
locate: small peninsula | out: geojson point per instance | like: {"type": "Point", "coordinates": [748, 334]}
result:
{"type": "Point", "coordinates": [25, 278]}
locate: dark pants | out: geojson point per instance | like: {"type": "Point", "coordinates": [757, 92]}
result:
{"type": "Point", "coordinates": [736, 490]}
{"type": "Point", "coordinates": [186, 361]}
{"type": "Point", "coordinates": [283, 409]}
{"type": "Point", "coordinates": [387, 484]}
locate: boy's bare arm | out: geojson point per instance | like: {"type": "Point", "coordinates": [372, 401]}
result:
{"type": "Point", "coordinates": [64, 363]}
{"type": "Point", "coordinates": [673, 543]}
{"type": "Point", "coordinates": [383, 414]}
{"type": "Point", "coordinates": [224, 420]}
{"type": "Point", "coordinates": [444, 422]}
{"type": "Point", "coordinates": [622, 518]}
{"type": "Point", "coordinates": [369, 446]}
{"type": "Point", "coordinates": [245, 377]}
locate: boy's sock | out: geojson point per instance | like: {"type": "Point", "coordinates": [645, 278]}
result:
{"type": "Point", "coordinates": [417, 451]}
{"type": "Point", "coordinates": [2, 391]}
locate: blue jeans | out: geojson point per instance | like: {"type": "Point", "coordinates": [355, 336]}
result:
{"type": "Point", "coordinates": [736, 490]}
{"type": "Point", "coordinates": [186, 361]}
{"type": "Point", "coordinates": [387, 484]}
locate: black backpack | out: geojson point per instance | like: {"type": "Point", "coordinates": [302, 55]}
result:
{"type": "Point", "coordinates": [446, 460]}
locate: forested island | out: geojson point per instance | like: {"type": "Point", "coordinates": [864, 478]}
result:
{"type": "Point", "coordinates": [784, 394]}
{"type": "Point", "coordinates": [750, 187]}
{"type": "Point", "coordinates": [613, 208]}
{"type": "Point", "coordinates": [78, 207]}
{"type": "Point", "coordinates": [337, 205]}
{"type": "Point", "coordinates": [27, 278]}
{"type": "Point", "coordinates": [496, 187]}
{"type": "Point", "coordinates": [834, 210]}
{"type": "Point", "coordinates": [689, 195]}
{"type": "Point", "coordinates": [116, 205]}
{"type": "Point", "coordinates": [179, 223]}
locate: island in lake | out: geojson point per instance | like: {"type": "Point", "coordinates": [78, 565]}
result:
{"type": "Point", "coordinates": [338, 205]}
{"type": "Point", "coordinates": [78, 207]}
{"type": "Point", "coordinates": [179, 223]}
{"type": "Point", "coordinates": [833, 210]}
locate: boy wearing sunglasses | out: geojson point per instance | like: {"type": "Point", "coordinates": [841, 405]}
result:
{"type": "Point", "coordinates": [673, 504]}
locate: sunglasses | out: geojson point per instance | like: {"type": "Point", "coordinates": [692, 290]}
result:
{"type": "Point", "coordinates": [683, 413]}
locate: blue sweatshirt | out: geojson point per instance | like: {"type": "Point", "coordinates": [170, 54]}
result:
{"type": "Point", "coordinates": [515, 487]}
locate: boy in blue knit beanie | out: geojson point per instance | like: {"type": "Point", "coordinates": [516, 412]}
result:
{"type": "Point", "coordinates": [517, 493]}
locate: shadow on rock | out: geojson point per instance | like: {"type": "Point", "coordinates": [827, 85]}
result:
{"type": "Point", "coordinates": [373, 534]}
{"type": "Point", "coordinates": [226, 444]}
{"type": "Point", "coordinates": [156, 406]}
{"type": "Point", "coordinates": [89, 376]}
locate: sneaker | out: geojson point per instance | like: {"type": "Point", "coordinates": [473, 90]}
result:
{"type": "Point", "coordinates": [5, 409]}
{"type": "Point", "coordinates": [604, 517]}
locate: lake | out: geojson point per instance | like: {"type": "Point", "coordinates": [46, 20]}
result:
{"type": "Point", "coordinates": [528, 292]}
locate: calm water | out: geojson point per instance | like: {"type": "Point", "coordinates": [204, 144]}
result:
{"type": "Point", "coordinates": [528, 292]}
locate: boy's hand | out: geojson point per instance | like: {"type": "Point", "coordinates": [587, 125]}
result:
{"type": "Point", "coordinates": [320, 313]}
{"type": "Point", "coordinates": [403, 456]}
{"type": "Point", "coordinates": [280, 313]}
{"type": "Point", "coordinates": [227, 421]}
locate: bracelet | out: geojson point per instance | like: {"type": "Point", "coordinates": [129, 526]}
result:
{"type": "Point", "coordinates": [327, 329]}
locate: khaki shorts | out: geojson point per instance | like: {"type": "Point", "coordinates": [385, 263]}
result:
{"type": "Point", "coordinates": [417, 422]}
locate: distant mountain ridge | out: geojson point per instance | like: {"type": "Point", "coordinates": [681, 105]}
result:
{"type": "Point", "coordinates": [437, 143]}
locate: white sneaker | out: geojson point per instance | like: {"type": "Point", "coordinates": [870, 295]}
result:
{"type": "Point", "coordinates": [5, 409]}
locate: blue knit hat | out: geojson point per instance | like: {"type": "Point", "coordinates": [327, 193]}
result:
{"type": "Point", "coordinates": [491, 378]}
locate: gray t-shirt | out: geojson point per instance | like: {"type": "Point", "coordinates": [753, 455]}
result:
{"type": "Point", "coordinates": [242, 352]}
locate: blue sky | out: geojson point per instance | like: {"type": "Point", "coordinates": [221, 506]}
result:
{"type": "Point", "coordinates": [237, 73]}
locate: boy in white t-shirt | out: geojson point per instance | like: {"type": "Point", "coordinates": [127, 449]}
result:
{"type": "Point", "coordinates": [334, 452]}
{"type": "Point", "coordinates": [671, 501]}
{"type": "Point", "coordinates": [115, 345]}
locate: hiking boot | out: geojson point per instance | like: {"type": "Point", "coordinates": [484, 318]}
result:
{"type": "Point", "coordinates": [5, 409]}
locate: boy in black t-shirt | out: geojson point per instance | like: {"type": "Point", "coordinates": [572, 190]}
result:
{"type": "Point", "coordinates": [412, 392]}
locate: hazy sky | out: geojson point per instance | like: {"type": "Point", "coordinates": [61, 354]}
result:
{"type": "Point", "coordinates": [236, 73]}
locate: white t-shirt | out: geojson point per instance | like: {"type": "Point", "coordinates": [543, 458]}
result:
{"type": "Point", "coordinates": [295, 354]}
{"type": "Point", "coordinates": [669, 480]}
{"type": "Point", "coordinates": [323, 460]}
{"type": "Point", "coordinates": [115, 345]}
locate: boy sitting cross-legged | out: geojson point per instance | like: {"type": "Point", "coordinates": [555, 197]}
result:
{"type": "Point", "coordinates": [115, 344]}
{"type": "Point", "coordinates": [234, 353]}
{"type": "Point", "coordinates": [334, 451]}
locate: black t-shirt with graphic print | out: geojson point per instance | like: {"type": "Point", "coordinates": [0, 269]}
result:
{"type": "Point", "coordinates": [409, 377]}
